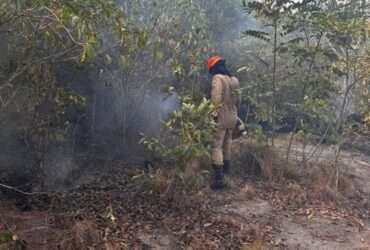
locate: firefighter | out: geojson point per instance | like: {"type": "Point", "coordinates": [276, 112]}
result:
{"type": "Point", "coordinates": [225, 95]}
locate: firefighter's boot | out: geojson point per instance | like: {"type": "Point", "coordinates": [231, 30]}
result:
{"type": "Point", "coordinates": [218, 178]}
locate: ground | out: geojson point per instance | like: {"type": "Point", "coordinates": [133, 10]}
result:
{"type": "Point", "coordinates": [109, 211]}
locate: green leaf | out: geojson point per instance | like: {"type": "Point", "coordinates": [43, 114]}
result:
{"type": "Point", "coordinates": [125, 61]}
{"type": "Point", "coordinates": [257, 34]}
{"type": "Point", "coordinates": [158, 55]}
{"type": "Point", "coordinates": [245, 68]}
{"type": "Point", "coordinates": [85, 54]}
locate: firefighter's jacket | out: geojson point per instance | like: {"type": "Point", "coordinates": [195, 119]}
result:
{"type": "Point", "coordinates": [226, 97]}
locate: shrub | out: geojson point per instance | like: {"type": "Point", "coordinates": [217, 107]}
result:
{"type": "Point", "coordinates": [190, 132]}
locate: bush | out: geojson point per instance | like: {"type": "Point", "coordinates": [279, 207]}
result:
{"type": "Point", "coordinates": [191, 132]}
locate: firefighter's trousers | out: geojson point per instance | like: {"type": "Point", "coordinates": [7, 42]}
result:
{"type": "Point", "coordinates": [221, 147]}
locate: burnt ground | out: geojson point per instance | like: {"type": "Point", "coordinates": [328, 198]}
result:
{"type": "Point", "coordinates": [111, 209]}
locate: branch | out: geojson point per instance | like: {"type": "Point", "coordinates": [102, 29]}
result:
{"type": "Point", "coordinates": [13, 18]}
{"type": "Point", "coordinates": [64, 27]}
{"type": "Point", "coordinates": [5, 104]}
{"type": "Point", "coordinates": [316, 148]}
{"type": "Point", "coordinates": [9, 82]}
{"type": "Point", "coordinates": [266, 64]}
{"type": "Point", "coordinates": [20, 191]}
{"type": "Point", "coordinates": [6, 85]}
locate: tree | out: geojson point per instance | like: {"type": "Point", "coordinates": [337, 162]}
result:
{"type": "Point", "coordinates": [39, 35]}
{"type": "Point", "coordinates": [313, 38]}
{"type": "Point", "coordinates": [271, 14]}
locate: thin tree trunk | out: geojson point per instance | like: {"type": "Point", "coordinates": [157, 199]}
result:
{"type": "Point", "coordinates": [303, 92]}
{"type": "Point", "coordinates": [341, 121]}
{"type": "Point", "coordinates": [273, 104]}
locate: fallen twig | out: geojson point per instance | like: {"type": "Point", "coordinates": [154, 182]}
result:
{"type": "Point", "coordinates": [20, 191]}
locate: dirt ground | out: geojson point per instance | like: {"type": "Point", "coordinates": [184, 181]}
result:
{"type": "Point", "coordinates": [108, 213]}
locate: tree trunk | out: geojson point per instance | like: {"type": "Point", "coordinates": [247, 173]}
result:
{"type": "Point", "coordinates": [273, 104]}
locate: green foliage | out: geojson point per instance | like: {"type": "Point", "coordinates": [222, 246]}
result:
{"type": "Point", "coordinates": [320, 53]}
{"type": "Point", "coordinates": [40, 36]}
{"type": "Point", "coordinates": [258, 34]}
{"type": "Point", "coordinates": [109, 214]}
{"type": "Point", "coordinates": [5, 237]}
{"type": "Point", "coordinates": [191, 128]}
{"type": "Point", "coordinates": [312, 52]}
{"type": "Point", "coordinates": [180, 41]}
{"type": "Point", "coordinates": [52, 103]}
{"type": "Point", "coordinates": [11, 241]}
{"type": "Point", "coordinates": [255, 132]}
{"type": "Point", "coordinates": [45, 33]}
{"type": "Point", "coordinates": [65, 23]}
{"type": "Point", "coordinates": [155, 182]}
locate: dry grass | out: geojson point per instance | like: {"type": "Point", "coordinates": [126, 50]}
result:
{"type": "Point", "coordinates": [257, 245]}
{"type": "Point", "coordinates": [321, 179]}
{"type": "Point", "coordinates": [83, 235]}
{"type": "Point", "coordinates": [317, 180]}
{"type": "Point", "coordinates": [254, 160]}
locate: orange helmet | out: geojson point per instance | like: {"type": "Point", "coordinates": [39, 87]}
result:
{"type": "Point", "coordinates": [212, 61]}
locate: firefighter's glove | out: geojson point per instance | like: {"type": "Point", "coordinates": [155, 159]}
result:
{"type": "Point", "coordinates": [214, 120]}
{"type": "Point", "coordinates": [242, 128]}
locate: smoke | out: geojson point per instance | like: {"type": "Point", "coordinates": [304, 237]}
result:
{"type": "Point", "coordinates": [121, 103]}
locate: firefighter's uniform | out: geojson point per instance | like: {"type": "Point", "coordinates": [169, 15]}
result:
{"type": "Point", "coordinates": [225, 96]}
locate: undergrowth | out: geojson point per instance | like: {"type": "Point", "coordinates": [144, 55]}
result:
{"type": "Point", "coordinates": [312, 181]}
